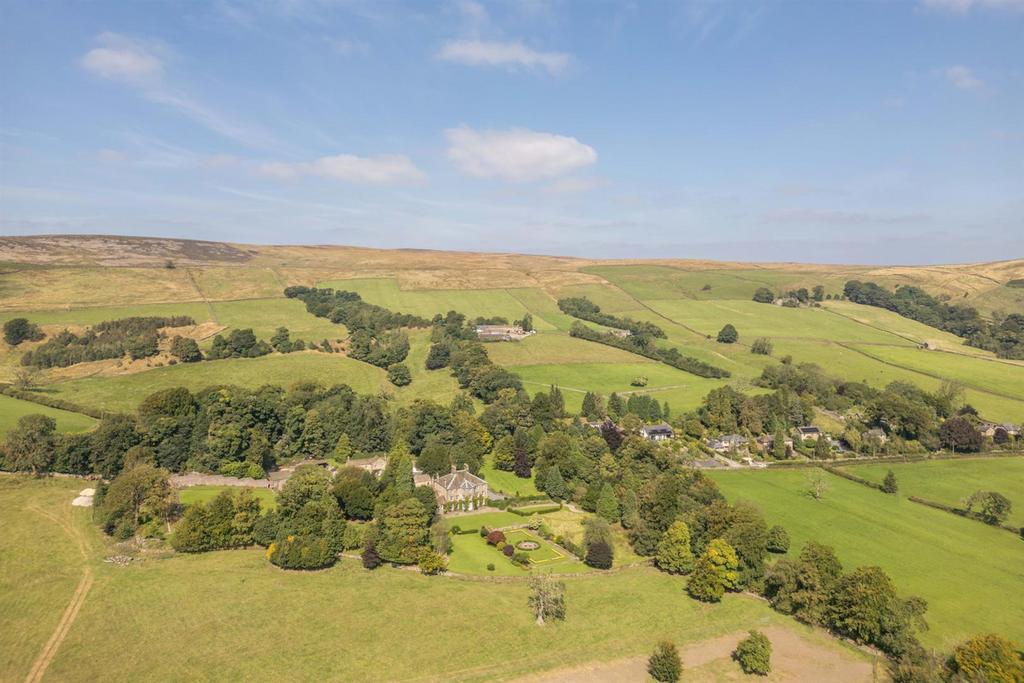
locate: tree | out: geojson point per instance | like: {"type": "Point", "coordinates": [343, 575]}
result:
{"type": "Point", "coordinates": [185, 349]}
{"type": "Point", "coordinates": [822, 448]}
{"type": "Point", "coordinates": [599, 555]}
{"type": "Point", "coordinates": [988, 658]}
{"type": "Point", "coordinates": [889, 484]}
{"type": "Point", "coordinates": [615, 407]}
{"type": "Point", "coordinates": [664, 665]}
{"type": "Point", "coordinates": [30, 445]}
{"type": "Point", "coordinates": [763, 295]}
{"type": "Point", "coordinates": [818, 293]}
{"type": "Point", "coordinates": [817, 486]}
{"type": "Point", "coordinates": [959, 434]}
{"type": "Point", "coordinates": [139, 496]}
{"type": "Point", "coordinates": [754, 654]}
{"type": "Point", "coordinates": [527, 322]}
{"type": "Point", "coordinates": [370, 558]}
{"type": "Point", "coordinates": [26, 377]}
{"type": "Point", "coordinates": [434, 458]}
{"type": "Point", "coordinates": [343, 449]}
{"type": "Point", "coordinates": [714, 573]}
{"type": "Point", "coordinates": [780, 451]}
{"type": "Point", "coordinates": [993, 507]}
{"type": "Point", "coordinates": [431, 562]}
{"type": "Point", "coordinates": [778, 540]}
{"type": "Point", "coordinates": [863, 605]}
{"type": "Point", "coordinates": [547, 598]}
{"type": "Point", "coordinates": [281, 341]}
{"type": "Point", "coordinates": [554, 485]}
{"type": "Point", "coordinates": [728, 334]}
{"type": "Point", "coordinates": [762, 346]}
{"type": "Point", "coordinates": [403, 532]}
{"type": "Point", "coordinates": [608, 504]}
{"type": "Point", "coordinates": [17, 330]}
{"type": "Point", "coordinates": [674, 553]}
{"type": "Point", "coordinates": [399, 375]}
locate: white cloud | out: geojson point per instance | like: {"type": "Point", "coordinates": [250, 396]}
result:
{"type": "Point", "coordinates": [122, 59]}
{"type": "Point", "coordinates": [111, 156]}
{"type": "Point", "coordinates": [516, 154]}
{"type": "Point", "coordinates": [504, 54]}
{"type": "Point", "coordinates": [378, 170]}
{"type": "Point", "coordinates": [965, 6]}
{"type": "Point", "coordinates": [962, 77]}
{"type": "Point", "coordinates": [349, 48]}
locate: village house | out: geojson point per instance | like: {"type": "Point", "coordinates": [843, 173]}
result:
{"type": "Point", "coordinates": [728, 443]}
{"type": "Point", "coordinates": [374, 466]}
{"type": "Point", "coordinates": [501, 332]}
{"type": "Point", "coordinates": [767, 443]}
{"type": "Point", "coordinates": [1004, 432]}
{"type": "Point", "coordinates": [658, 432]}
{"type": "Point", "coordinates": [877, 434]}
{"type": "Point", "coordinates": [808, 433]}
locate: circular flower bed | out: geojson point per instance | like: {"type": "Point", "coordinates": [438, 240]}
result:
{"type": "Point", "coordinates": [527, 545]}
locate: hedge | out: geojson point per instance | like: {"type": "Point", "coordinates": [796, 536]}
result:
{"type": "Point", "coordinates": [852, 477]}
{"type": "Point", "coordinates": [51, 402]}
{"type": "Point", "coordinates": [960, 512]}
{"type": "Point", "coordinates": [536, 510]}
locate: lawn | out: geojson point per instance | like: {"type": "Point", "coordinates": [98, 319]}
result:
{"type": "Point", "coordinates": [13, 409]}
{"type": "Point", "coordinates": [125, 392]}
{"type": "Point", "coordinates": [968, 572]}
{"type": "Point", "coordinates": [546, 555]}
{"type": "Point", "coordinates": [204, 494]}
{"type": "Point", "coordinates": [507, 482]}
{"type": "Point", "coordinates": [951, 481]}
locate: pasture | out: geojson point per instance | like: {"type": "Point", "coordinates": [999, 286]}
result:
{"type": "Point", "coordinates": [204, 494]}
{"type": "Point", "coordinates": [966, 570]}
{"type": "Point", "coordinates": [951, 481]}
{"type": "Point", "coordinates": [123, 393]}
{"type": "Point", "coordinates": [180, 617]}
{"type": "Point", "coordinates": [13, 409]}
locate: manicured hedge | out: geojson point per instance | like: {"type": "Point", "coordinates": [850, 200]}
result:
{"type": "Point", "coordinates": [536, 510]}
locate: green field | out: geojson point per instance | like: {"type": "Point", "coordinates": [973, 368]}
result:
{"type": "Point", "coordinates": [264, 316]}
{"type": "Point", "coordinates": [124, 392]}
{"type": "Point", "coordinates": [204, 494]}
{"type": "Point", "coordinates": [968, 572]}
{"type": "Point", "coordinates": [182, 617]}
{"type": "Point", "coordinates": [951, 481]}
{"type": "Point", "coordinates": [507, 482]}
{"type": "Point", "coordinates": [428, 302]}
{"type": "Point", "coordinates": [12, 409]}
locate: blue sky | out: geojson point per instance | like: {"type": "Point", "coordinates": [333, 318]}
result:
{"type": "Point", "coordinates": [867, 132]}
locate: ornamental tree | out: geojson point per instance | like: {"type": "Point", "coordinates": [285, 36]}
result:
{"type": "Point", "coordinates": [674, 553]}
{"type": "Point", "coordinates": [664, 665]}
{"type": "Point", "coordinates": [754, 654]}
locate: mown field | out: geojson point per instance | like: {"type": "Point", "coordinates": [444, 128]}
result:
{"type": "Point", "coordinates": [13, 409]}
{"type": "Point", "coordinates": [952, 481]}
{"type": "Point", "coordinates": [204, 494]}
{"type": "Point", "coordinates": [969, 573]}
{"type": "Point", "coordinates": [184, 617]}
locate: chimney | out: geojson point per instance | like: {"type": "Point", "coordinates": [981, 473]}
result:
{"type": "Point", "coordinates": [453, 468]}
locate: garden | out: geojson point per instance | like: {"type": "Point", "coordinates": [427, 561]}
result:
{"type": "Point", "coordinates": [496, 544]}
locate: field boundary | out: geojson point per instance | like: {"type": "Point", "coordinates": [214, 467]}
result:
{"type": "Point", "coordinates": [967, 514]}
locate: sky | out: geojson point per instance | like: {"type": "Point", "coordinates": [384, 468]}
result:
{"type": "Point", "coordinates": [820, 131]}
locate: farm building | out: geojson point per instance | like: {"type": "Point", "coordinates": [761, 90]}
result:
{"type": "Point", "coordinates": [374, 466]}
{"type": "Point", "coordinates": [501, 333]}
{"type": "Point", "coordinates": [808, 433]}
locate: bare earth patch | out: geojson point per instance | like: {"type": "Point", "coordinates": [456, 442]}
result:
{"type": "Point", "coordinates": [794, 658]}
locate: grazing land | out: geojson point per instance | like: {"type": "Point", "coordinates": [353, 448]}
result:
{"type": "Point", "coordinates": [204, 494]}
{"type": "Point", "coordinates": [964, 569]}
{"type": "Point", "coordinates": [219, 607]}
{"type": "Point", "coordinates": [951, 481]}
{"type": "Point", "coordinates": [12, 409]}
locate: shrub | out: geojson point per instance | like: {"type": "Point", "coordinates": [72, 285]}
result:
{"type": "Point", "coordinates": [988, 658]}
{"type": "Point", "coordinates": [484, 531]}
{"type": "Point", "coordinates": [763, 295]}
{"type": "Point", "coordinates": [494, 537]}
{"type": "Point", "coordinates": [664, 665]}
{"type": "Point", "coordinates": [599, 555]}
{"type": "Point", "coordinates": [490, 566]}
{"type": "Point", "coordinates": [508, 549]}
{"type": "Point", "coordinates": [432, 563]}
{"type": "Point", "coordinates": [301, 552]}
{"type": "Point", "coordinates": [371, 560]}
{"type": "Point", "coordinates": [762, 346]}
{"type": "Point", "coordinates": [778, 540]}
{"type": "Point", "coordinates": [521, 559]}
{"type": "Point", "coordinates": [754, 654]}
{"type": "Point", "coordinates": [399, 375]}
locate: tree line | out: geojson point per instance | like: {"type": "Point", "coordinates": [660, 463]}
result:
{"type": "Point", "coordinates": [644, 345]}
{"type": "Point", "coordinates": [138, 337]}
{"type": "Point", "coordinates": [584, 308]}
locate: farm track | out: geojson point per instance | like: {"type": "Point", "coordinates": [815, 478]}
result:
{"type": "Point", "coordinates": [67, 620]}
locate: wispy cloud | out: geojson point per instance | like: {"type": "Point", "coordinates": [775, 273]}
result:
{"type": "Point", "coordinates": [516, 154]}
{"type": "Point", "coordinates": [141, 65]}
{"type": "Point", "coordinates": [962, 77]}
{"type": "Point", "coordinates": [842, 217]}
{"type": "Point", "coordinates": [512, 55]}
{"type": "Point", "coordinates": [384, 169]}
{"type": "Point", "coordinates": [965, 6]}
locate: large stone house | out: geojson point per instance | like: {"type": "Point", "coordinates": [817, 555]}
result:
{"type": "Point", "coordinates": [658, 432]}
{"type": "Point", "coordinates": [457, 490]}
{"type": "Point", "coordinates": [374, 466]}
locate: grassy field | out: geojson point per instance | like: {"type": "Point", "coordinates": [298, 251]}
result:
{"type": "Point", "coordinates": [185, 616]}
{"type": "Point", "coordinates": [124, 392]}
{"type": "Point", "coordinates": [264, 316]}
{"type": "Point", "coordinates": [951, 481]}
{"type": "Point", "coordinates": [97, 314]}
{"type": "Point", "coordinates": [204, 494]}
{"type": "Point", "coordinates": [13, 409]}
{"type": "Point", "coordinates": [965, 570]}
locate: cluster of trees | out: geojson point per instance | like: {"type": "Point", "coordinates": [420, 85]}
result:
{"type": "Point", "coordinates": [375, 332]}
{"type": "Point", "coordinates": [794, 297]}
{"type": "Point", "coordinates": [584, 308]}
{"type": "Point", "coordinates": [644, 345]}
{"type": "Point", "coordinates": [238, 344]}
{"type": "Point", "coordinates": [139, 337]}
{"type": "Point", "coordinates": [17, 330]}
{"type": "Point", "coordinates": [1004, 335]}
{"type": "Point", "coordinates": [454, 345]}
